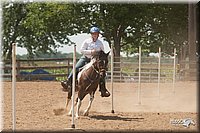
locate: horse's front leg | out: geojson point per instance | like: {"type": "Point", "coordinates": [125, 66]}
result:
{"type": "Point", "coordinates": [70, 112]}
{"type": "Point", "coordinates": [69, 95]}
{"type": "Point", "coordinates": [67, 103]}
{"type": "Point", "coordinates": [78, 108]}
{"type": "Point", "coordinates": [81, 95]}
{"type": "Point", "coordinates": [86, 112]}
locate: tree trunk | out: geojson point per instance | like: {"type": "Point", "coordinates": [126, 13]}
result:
{"type": "Point", "coordinates": [9, 55]}
{"type": "Point", "coordinates": [192, 42]}
{"type": "Point", "coordinates": [117, 47]}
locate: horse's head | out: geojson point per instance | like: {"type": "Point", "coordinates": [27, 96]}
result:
{"type": "Point", "coordinates": [102, 62]}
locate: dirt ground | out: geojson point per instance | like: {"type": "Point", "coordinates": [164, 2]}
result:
{"type": "Point", "coordinates": [154, 109]}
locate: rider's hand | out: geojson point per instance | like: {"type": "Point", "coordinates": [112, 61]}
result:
{"type": "Point", "coordinates": [93, 52]}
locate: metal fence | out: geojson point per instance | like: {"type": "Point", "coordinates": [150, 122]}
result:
{"type": "Point", "coordinates": [129, 70]}
{"type": "Point", "coordinates": [125, 70]}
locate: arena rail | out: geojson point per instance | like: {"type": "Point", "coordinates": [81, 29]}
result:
{"type": "Point", "coordinates": [60, 68]}
{"type": "Point", "coordinates": [57, 68]}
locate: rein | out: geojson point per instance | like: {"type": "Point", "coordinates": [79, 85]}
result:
{"type": "Point", "coordinates": [96, 68]}
{"type": "Point", "coordinates": [96, 78]}
{"type": "Point", "coordinates": [97, 75]}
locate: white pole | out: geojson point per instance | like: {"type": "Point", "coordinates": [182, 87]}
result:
{"type": "Point", "coordinates": [159, 59]}
{"type": "Point", "coordinates": [112, 60]}
{"type": "Point", "coordinates": [139, 82]}
{"type": "Point", "coordinates": [73, 85]}
{"type": "Point", "coordinates": [174, 70]}
{"type": "Point", "coordinates": [14, 85]}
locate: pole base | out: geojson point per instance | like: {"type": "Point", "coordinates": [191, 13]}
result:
{"type": "Point", "coordinates": [112, 111]}
{"type": "Point", "coordinates": [73, 126]}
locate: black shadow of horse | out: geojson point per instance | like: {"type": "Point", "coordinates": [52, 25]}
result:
{"type": "Point", "coordinates": [103, 117]}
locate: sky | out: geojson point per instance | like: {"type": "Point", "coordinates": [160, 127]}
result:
{"type": "Point", "coordinates": [77, 39]}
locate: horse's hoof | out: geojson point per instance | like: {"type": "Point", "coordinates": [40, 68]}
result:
{"type": "Point", "coordinates": [69, 114]}
{"type": "Point", "coordinates": [86, 113]}
{"type": "Point", "coordinates": [77, 117]}
{"type": "Point", "coordinates": [105, 94]}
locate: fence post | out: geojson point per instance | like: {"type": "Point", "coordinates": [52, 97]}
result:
{"type": "Point", "coordinates": [68, 63]}
{"type": "Point", "coordinates": [18, 70]}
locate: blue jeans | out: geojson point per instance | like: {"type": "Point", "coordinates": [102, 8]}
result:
{"type": "Point", "coordinates": [82, 62]}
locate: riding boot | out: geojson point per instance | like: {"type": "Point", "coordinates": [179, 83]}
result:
{"type": "Point", "coordinates": [64, 85]}
{"type": "Point", "coordinates": [102, 88]}
{"type": "Point", "coordinates": [67, 85]}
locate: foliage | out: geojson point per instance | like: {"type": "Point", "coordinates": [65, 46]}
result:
{"type": "Point", "coordinates": [38, 27]}
{"type": "Point", "coordinates": [42, 27]}
{"type": "Point", "coordinates": [128, 26]}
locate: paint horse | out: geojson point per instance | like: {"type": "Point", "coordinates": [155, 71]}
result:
{"type": "Point", "coordinates": [87, 81]}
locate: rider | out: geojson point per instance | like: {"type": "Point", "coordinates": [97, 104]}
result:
{"type": "Point", "coordinates": [89, 47]}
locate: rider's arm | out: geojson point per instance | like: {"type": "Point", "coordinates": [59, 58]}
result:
{"type": "Point", "coordinates": [84, 48]}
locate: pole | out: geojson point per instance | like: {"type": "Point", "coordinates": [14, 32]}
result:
{"type": "Point", "coordinates": [73, 85]}
{"type": "Point", "coordinates": [174, 70]}
{"type": "Point", "coordinates": [112, 60]}
{"type": "Point", "coordinates": [1, 65]}
{"type": "Point", "coordinates": [159, 60]}
{"type": "Point", "coordinates": [14, 85]}
{"type": "Point", "coordinates": [139, 82]}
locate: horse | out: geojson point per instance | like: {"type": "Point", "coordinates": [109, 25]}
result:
{"type": "Point", "coordinates": [87, 81]}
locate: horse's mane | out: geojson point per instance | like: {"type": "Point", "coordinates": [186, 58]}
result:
{"type": "Point", "coordinates": [85, 67]}
{"type": "Point", "coordinates": [88, 65]}
{"type": "Point", "coordinates": [98, 54]}
{"type": "Point", "coordinates": [93, 59]}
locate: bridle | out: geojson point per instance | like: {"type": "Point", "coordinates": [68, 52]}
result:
{"type": "Point", "coordinates": [99, 70]}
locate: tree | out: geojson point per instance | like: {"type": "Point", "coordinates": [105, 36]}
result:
{"type": "Point", "coordinates": [133, 25]}
{"type": "Point", "coordinates": [13, 14]}
{"type": "Point", "coordinates": [38, 27]}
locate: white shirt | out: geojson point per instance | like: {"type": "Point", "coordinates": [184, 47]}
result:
{"type": "Point", "coordinates": [88, 45]}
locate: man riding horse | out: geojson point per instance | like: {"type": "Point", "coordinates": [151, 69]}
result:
{"type": "Point", "coordinates": [88, 49]}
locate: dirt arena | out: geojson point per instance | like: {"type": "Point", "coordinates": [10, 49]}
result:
{"type": "Point", "coordinates": [159, 108]}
